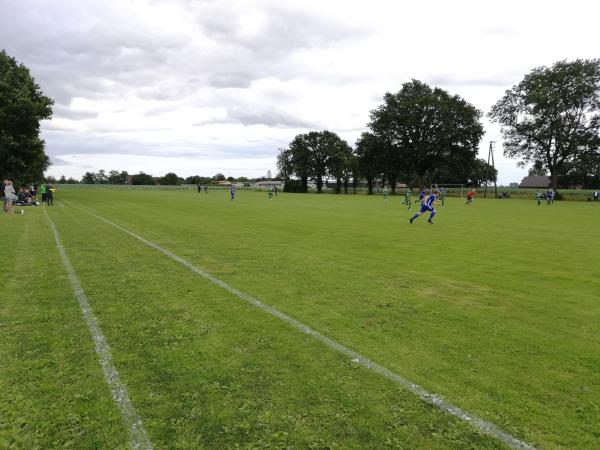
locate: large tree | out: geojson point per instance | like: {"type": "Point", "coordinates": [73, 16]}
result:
{"type": "Point", "coordinates": [170, 179]}
{"type": "Point", "coordinates": [423, 130]}
{"type": "Point", "coordinates": [369, 155]}
{"type": "Point", "coordinates": [22, 107]}
{"type": "Point", "coordinates": [315, 154]}
{"type": "Point", "coordinates": [142, 179]}
{"type": "Point", "coordinates": [551, 118]}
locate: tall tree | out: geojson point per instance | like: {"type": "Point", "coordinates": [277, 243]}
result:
{"type": "Point", "coordinates": [338, 162]}
{"type": "Point", "coordinates": [551, 118]}
{"type": "Point", "coordinates": [369, 154]}
{"type": "Point", "coordinates": [116, 177]}
{"type": "Point", "coordinates": [423, 129]}
{"type": "Point", "coordinates": [89, 178]}
{"type": "Point", "coordinates": [142, 179]}
{"type": "Point", "coordinates": [22, 107]}
{"type": "Point", "coordinates": [170, 179]}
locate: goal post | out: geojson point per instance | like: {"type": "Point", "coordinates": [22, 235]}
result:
{"type": "Point", "coordinates": [452, 190]}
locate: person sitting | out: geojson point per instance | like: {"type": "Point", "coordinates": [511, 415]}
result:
{"type": "Point", "coordinates": [24, 198]}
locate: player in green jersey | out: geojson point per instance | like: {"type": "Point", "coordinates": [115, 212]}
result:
{"type": "Point", "coordinates": [538, 197]}
{"type": "Point", "coordinates": [407, 200]}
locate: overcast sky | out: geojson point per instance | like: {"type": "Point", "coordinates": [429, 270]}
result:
{"type": "Point", "coordinates": [206, 86]}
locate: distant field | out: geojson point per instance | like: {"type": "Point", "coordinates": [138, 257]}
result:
{"type": "Point", "coordinates": [496, 308]}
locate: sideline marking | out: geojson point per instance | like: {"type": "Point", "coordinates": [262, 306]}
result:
{"type": "Point", "coordinates": [137, 433]}
{"type": "Point", "coordinates": [481, 425]}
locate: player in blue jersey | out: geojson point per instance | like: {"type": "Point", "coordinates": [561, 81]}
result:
{"type": "Point", "coordinates": [427, 205]}
{"type": "Point", "coordinates": [422, 195]}
{"type": "Point", "coordinates": [232, 192]}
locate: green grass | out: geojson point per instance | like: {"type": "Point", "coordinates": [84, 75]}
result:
{"type": "Point", "coordinates": [496, 307]}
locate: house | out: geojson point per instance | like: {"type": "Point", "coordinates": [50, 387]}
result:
{"type": "Point", "coordinates": [535, 181]}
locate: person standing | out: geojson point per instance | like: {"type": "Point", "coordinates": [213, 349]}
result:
{"type": "Point", "coordinates": [232, 192]}
{"type": "Point", "coordinates": [538, 197]}
{"type": "Point", "coordinates": [596, 194]}
{"type": "Point", "coordinates": [49, 195]}
{"type": "Point", "coordinates": [9, 197]}
{"type": "Point", "coordinates": [270, 189]}
{"type": "Point", "coordinates": [385, 194]}
{"type": "Point", "coordinates": [43, 191]}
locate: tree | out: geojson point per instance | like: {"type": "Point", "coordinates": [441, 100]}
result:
{"type": "Point", "coordinates": [22, 107]}
{"type": "Point", "coordinates": [62, 180]}
{"type": "Point", "coordinates": [284, 164]}
{"type": "Point", "coordinates": [338, 163]}
{"type": "Point", "coordinates": [219, 177]}
{"type": "Point", "coordinates": [114, 177]}
{"type": "Point", "coordinates": [482, 172]}
{"type": "Point", "coordinates": [551, 117]}
{"type": "Point", "coordinates": [368, 158]}
{"type": "Point", "coordinates": [298, 160]}
{"type": "Point", "coordinates": [142, 179]}
{"type": "Point", "coordinates": [88, 178]}
{"type": "Point", "coordinates": [422, 130]}
{"type": "Point", "coordinates": [170, 179]}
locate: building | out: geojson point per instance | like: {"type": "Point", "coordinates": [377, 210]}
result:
{"type": "Point", "coordinates": [535, 182]}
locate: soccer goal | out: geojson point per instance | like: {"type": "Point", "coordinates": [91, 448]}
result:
{"type": "Point", "coordinates": [452, 190]}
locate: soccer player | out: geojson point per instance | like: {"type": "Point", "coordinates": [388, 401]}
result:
{"type": "Point", "coordinates": [407, 200]}
{"type": "Point", "coordinates": [470, 196]}
{"type": "Point", "coordinates": [385, 194]}
{"type": "Point", "coordinates": [538, 197]}
{"type": "Point", "coordinates": [232, 192]}
{"type": "Point", "coordinates": [270, 189]}
{"type": "Point", "coordinates": [442, 195]}
{"type": "Point", "coordinates": [427, 205]}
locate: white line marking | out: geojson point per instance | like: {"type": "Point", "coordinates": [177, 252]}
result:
{"type": "Point", "coordinates": [481, 425]}
{"type": "Point", "coordinates": [137, 434]}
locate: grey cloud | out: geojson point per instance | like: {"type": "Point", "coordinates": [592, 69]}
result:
{"type": "Point", "coordinates": [60, 143]}
{"type": "Point", "coordinates": [269, 117]}
{"type": "Point", "coordinates": [55, 161]}
{"type": "Point", "coordinates": [273, 118]}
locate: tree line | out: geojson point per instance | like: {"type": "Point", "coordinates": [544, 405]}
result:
{"type": "Point", "coordinates": [419, 135]}
{"type": "Point", "coordinates": [142, 178]}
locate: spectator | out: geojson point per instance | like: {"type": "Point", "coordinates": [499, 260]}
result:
{"type": "Point", "coordinates": [43, 192]}
{"type": "Point", "coordinates": [9, 197]}
{"type": "Point", "coordinates": [596, 193]}
{"type": "Point", "coordinates": [49, 194]}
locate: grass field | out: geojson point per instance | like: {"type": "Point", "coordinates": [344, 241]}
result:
{"type": "Point", "coordinates": [496, 308]}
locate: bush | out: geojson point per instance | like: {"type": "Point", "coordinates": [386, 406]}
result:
{"type": "Point", "coordinates": [293, 186]}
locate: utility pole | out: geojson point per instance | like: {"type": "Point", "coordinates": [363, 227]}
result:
{"type": "Point", "coordinates": [493, 164]}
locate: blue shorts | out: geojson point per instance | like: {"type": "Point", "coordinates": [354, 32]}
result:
{"type": "Point", "coordinates": [425, 208]}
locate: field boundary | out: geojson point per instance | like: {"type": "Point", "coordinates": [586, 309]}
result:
{"type": "Point", "coordinates": [479, 424]}
{"type": "Point", "coordinates": [137, 433]}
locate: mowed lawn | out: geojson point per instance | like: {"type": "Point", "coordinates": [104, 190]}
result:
{"type": "Point", "coordinates": [496, 308]}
